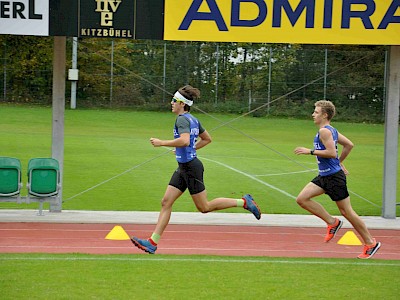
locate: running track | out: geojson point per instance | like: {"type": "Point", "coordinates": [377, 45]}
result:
{"type": "Point", "coordinates": [188, 239]}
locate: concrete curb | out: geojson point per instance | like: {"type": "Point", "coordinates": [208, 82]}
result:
{"type": "Point", "coordinates": [145, 217]}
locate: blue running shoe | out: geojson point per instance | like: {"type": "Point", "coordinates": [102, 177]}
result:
{"type": "Point", "coordinates": [252, 206]}
{"type": "Point", "coordinates": [144, 245]}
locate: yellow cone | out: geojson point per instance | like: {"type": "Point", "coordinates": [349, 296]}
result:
{"type": "Point", "coordinates": [349, 238]}
{"type": "Point", "coordinates": [117, 233]}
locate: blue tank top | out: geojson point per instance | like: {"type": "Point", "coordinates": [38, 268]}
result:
{"type": "Point", "coordinates": [327, 166]}
{"type": "Point", "coordinates": [186, 154]}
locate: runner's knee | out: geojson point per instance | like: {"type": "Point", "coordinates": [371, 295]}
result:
{"type": "Point", "coordinates": [166, 203]}
{"type": "Point", "coordinates": [203, 209]}
{"type": "Point", "coordinates": [301, 201]}
{"type": "Point", "coordinates": [347, 213]}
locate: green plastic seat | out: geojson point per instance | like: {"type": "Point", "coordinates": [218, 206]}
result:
{"type": "Point", "coordinates": [10, 176]}
{"type": "Point", "coordinates": [43, 177]}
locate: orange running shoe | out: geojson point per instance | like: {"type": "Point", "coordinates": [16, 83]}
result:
{"type": "Point", "coordinates": [370, 250]}
{"type": "Point", "coordinates": [332, 230]}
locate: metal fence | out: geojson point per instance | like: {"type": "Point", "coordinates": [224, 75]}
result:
{"type": "Point", "coordinates": [282, 80]}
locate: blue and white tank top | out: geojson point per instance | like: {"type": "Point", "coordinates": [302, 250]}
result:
{"type": "Point", "coordinates": [186, 154]}
{"type": "Point", "coordinates": [327, 166]}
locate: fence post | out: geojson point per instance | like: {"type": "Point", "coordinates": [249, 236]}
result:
{"type": "Point", "coordinates": [269, 79]}
{"type": "Point", "coordinates": [5, 72]}
{"type": "Point", "coordinates": [325, 71]}
{"type": "Point", "coordinates": [111, 72]}
{"type": "Point", "coordinates": [74, 67]}
{"type": "Point", "coordinates": [164, 71]}
{"type": "Point", "coordinates": [216, 74]}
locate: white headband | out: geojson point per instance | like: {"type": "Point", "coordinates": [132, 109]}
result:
{"type": "Point", "coordinates": [178, 96]}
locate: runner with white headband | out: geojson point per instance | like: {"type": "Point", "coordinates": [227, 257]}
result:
{"type": "Point", "coordinates": [179, 97]}
{"type": "Point", "coordinates": [189, 174]}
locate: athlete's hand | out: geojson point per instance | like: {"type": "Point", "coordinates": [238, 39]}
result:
{"type": "Point", "coordinates": [344, 169]}
{"type": "Point", "coordinates": [301, 150]}
{"type": "Point", "coordinates": [155, 142]}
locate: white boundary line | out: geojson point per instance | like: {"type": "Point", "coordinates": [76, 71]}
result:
{"type": "Point", "coordinates": [286, 173]}
{"type": "Point", "coordinates": [202, 260]}
{"type": "Point", "coordinates": [251, 177]}
{"type": "Point", "coordinates": [278, 174]}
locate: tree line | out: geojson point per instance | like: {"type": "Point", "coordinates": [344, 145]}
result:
{"type": "Point", "coordinates": [264, 79]}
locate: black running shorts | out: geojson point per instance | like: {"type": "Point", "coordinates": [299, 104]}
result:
{"type": "Point", "coordinates": [335, 185]}
{"type": "Point", "coordinates": [189, 176]}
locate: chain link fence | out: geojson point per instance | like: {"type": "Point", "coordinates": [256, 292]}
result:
{"type": "Point", "coordinates": [264, 79]}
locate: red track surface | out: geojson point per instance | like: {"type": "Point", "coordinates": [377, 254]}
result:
{"type": "Point", "coordinates": [188, 239]}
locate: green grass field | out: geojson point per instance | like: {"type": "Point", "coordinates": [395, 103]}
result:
{"type": "Point", "coordinates": [109, 163]}
{"type": "Point", "coordinates": [42, 276]}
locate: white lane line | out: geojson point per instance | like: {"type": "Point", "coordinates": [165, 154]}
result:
{"type": "Point", "coordinates": [252, 177]}
{"type": "Point", "coordinates": [140, 257]}
{"type": "Point", "coordinates": [286, 173]}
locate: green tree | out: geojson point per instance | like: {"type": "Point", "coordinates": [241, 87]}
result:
{"type": "Point", "coordinates": [28, 67]}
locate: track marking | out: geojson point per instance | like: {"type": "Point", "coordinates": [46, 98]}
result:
{"type": "Point", "coordinates": [207, 260]}
{"type": "Point", "coordinates": [286, 173]}
{"type": "Point", "coordinates": [254, 177]}
{"type": "Point", "coordinates": [251, 177]}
